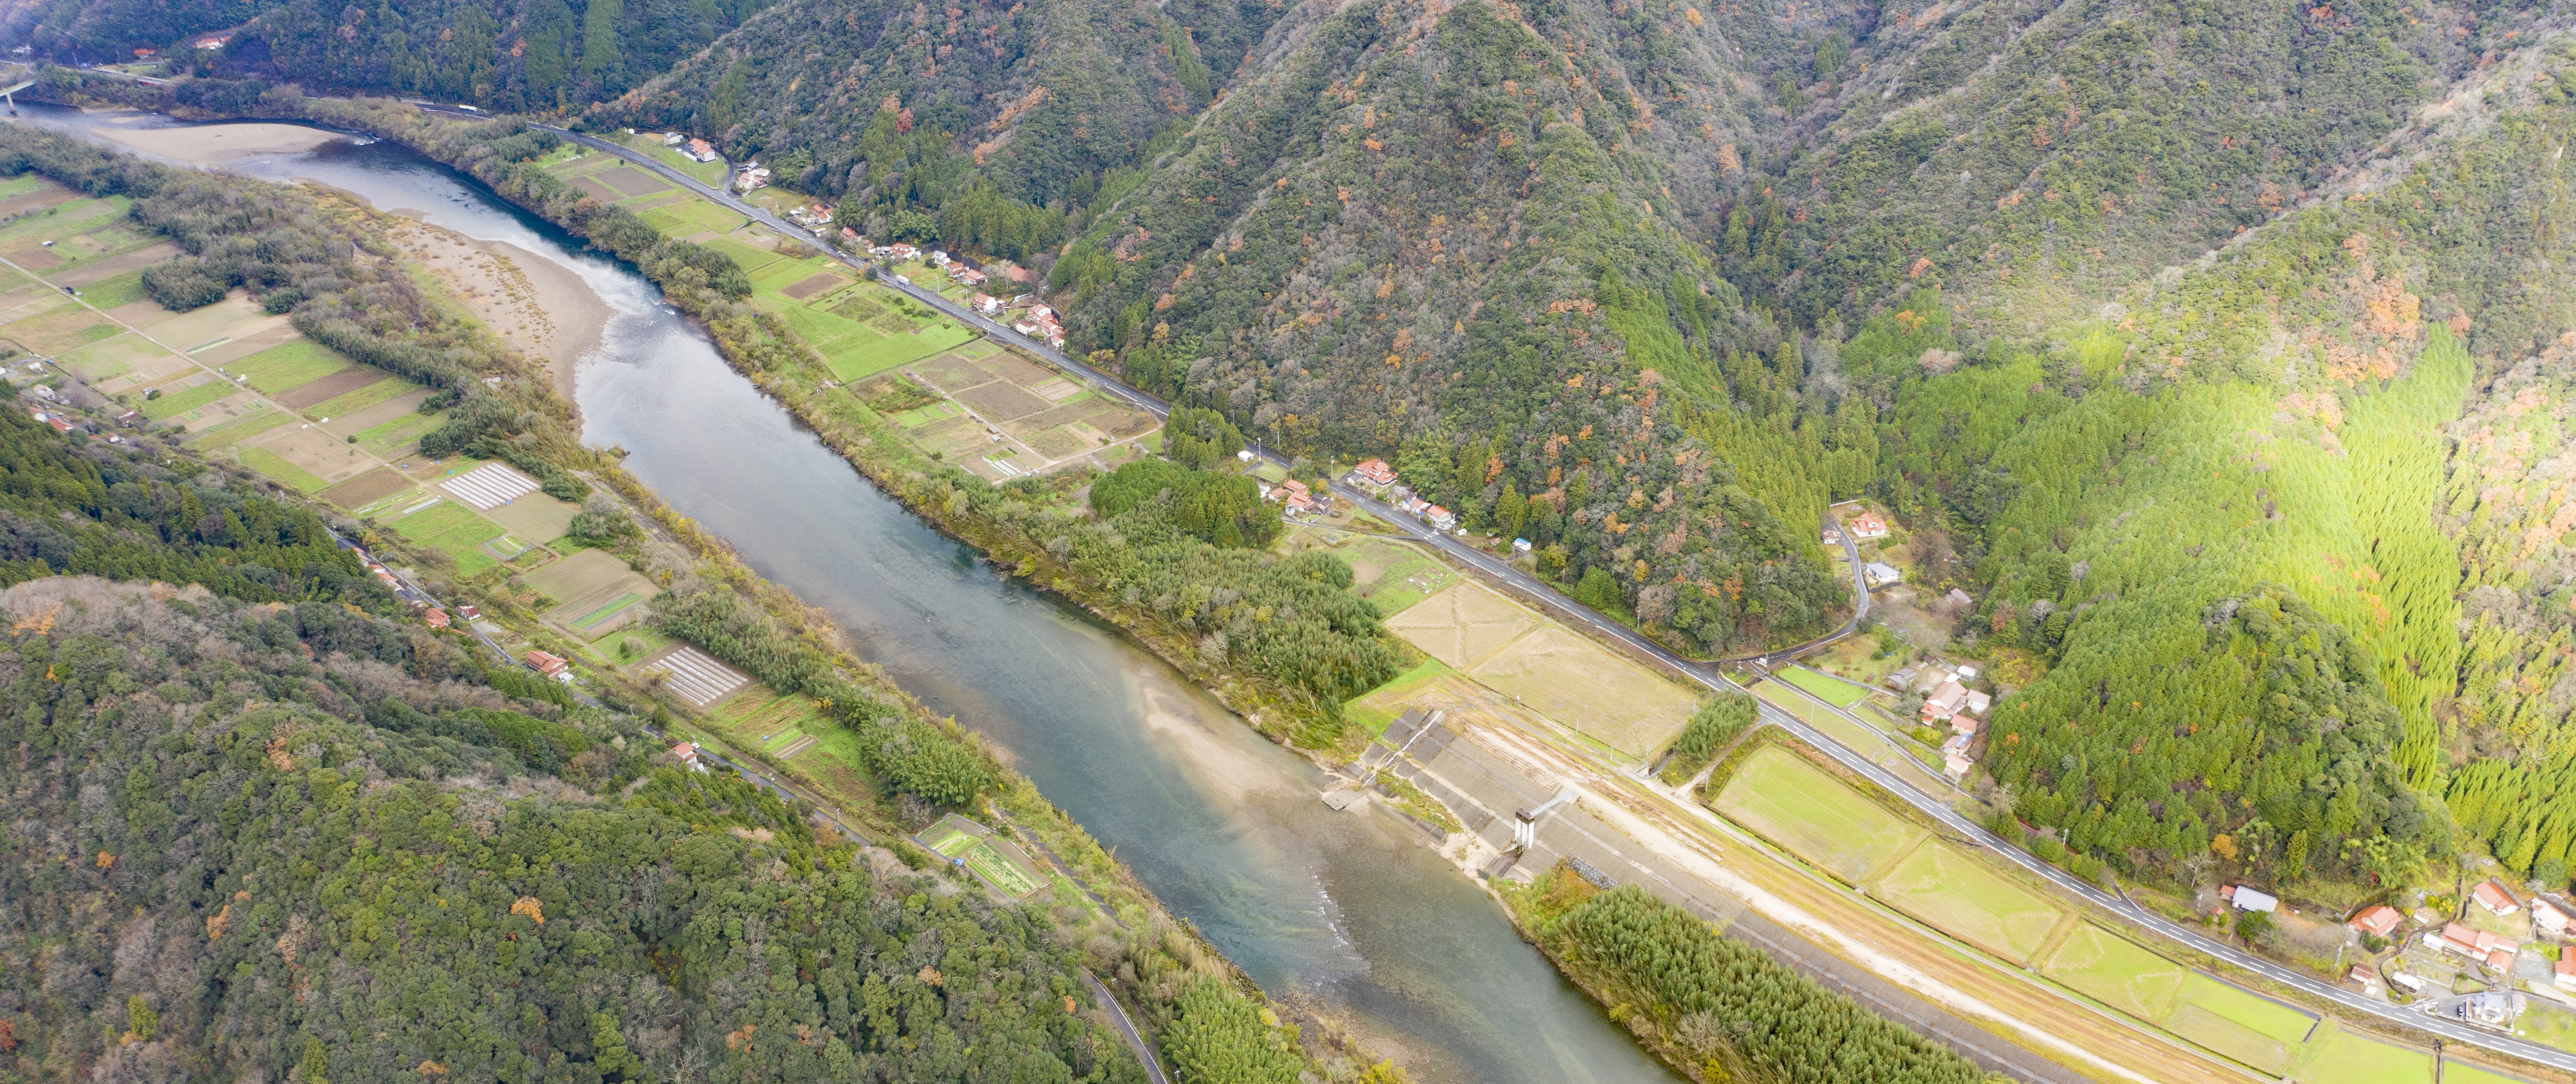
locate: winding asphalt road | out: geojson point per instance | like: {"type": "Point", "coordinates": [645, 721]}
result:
{"type": "Point", "coordinates": [1708, 674]}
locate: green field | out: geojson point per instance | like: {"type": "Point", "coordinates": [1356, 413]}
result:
{"type": "Point", "coordinates": [108, 293]}
{"type": "Point", "coordinates": [1841, 694]}
{"type": "Point", "coordinates": [2337, 1056]}
{"type": "Point", "coordinates": [1814, 815]}
{"type": "Point", "coordinates": [455, 530]}
{"type": "Point", "coordinates": [2117, 972]}
{"type": "Point", "coordinates": [363, 398]}
{"type": "Point", "coordinates": [852, 362]}
{"type": "Point", "coordinates": [1963, 898]}
{"type": "Point", "coordinates": [607, 611]}
{"type": "Point", "coordinates": [691, 215]}
{"type": "Point", "coordinates": [289, 365]}
{"type": "Point", "coordinates": [1377, 708]}
{"type": "Point", "coordinates": [233, 432]}
{"type": "Point", "coordinates": [269, 463]}
{"type": "Point", "coordinates": [2239, 1025]}
{"type": "Point", "coordinates": [2460, 1072]}
{"type": "Point", "coordinates": [401, 432]}
{"type": "Point", "coordinates": [953, 838]}
{"type": "Point", "coordinates": [185, 400]}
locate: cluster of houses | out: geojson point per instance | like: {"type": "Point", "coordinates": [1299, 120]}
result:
{"type": "Point", "coordinates": [752, 175]}
{"type": "Point", "coordinates": [2552, 919]}
{"type": "Point", "coordinates": [1948, 701]}
{"type": "Point", "coordinates": [1300, 503]}
{"type": "Point", "coordinates": [696, 150]}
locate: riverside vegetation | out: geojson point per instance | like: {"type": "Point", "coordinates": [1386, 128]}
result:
{"type": "Point", "coordinates": [355, 799]}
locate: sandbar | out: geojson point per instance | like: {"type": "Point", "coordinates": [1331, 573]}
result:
{"type": "Point", "coordinates": [210, 144]}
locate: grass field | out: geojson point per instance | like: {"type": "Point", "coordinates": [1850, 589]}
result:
{"type": "Point", "coordinates": [362, 398]}
{"type": "Point", "coordinates": [399, 433]}
{"type": "Point", "coordinates": [290, 365]}
{"type": "Point", "coordinates": [1841, 694]}
{"type": "Point", "coordinates": [1969, 901]}
{"type": "Point", "coordinates": [275, 466]}
{"type": "Point", "coordinates": [2337, 1056]}
{"type": "Point", "coordinates": [2239, 1025]}
{"type": "Point", "coordinates": [455, 530]}
{"type": "Point", "coordinates": [231, 433]}
{"type": "Point", "coordinates": [2460, 1072]}
{"type": "Point", "coordinates": [2117, 972]}
{"type": "Point", "coordinates": [953, 837]}
{"type": "Point", "coordinates": [185, 400]}
{"type": "Point", "coordinates": [1378, 707]}
{"type": "Point", "coordinates": [1814, 815]}
{"type": "Point", "coordinates": [690, 216]}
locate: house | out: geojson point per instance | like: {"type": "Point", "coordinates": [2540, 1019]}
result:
{"type": "Point", "coordinates": [211, 41]}
{"type": "Point", "coordinates": [987, 304]}
{"type": "Point", "coordinates": [434, 617]}
{"type": "Point", "coordinates": [1301, 504]}
{"type": "Point", "coordinates": [938, 257]}
{"type": "Point", "coordinates": [1833, 537]}
{"type": "Point", "coordinates": [1902, 679]}
{"type": "Point", "coordinates": [1440, 519]}
{"type": "Point", "coordinates": [1413, 505]}
{"type": "Point", "coordinates": [2377, 921]}
{"type": "Point", "coordinates": [1373, 472]}
{"type": "Point", "coordinates": [131, 419]}
{"type": "Point", "coordinates": [1520, 545]}
{"type": "Point", "coordinates": [2563, 971]}
{"type": "Point", "coordinates": [1867, 526]}
{"type": "Point", "coordinates": [1967, 673]}
{"type": "Point", "coordinates": [701, 151]}
{"type": "Point", "coordinates": [469, 612]}
{"type": "Point", "coordinates": [752, 176]}
{"type": "Point", "coordinates": [2408, 982]}
{"type": "Point", "coordinates": [1978, 702]}
{"type": "Point", "coordinates": [1964, 724]}
{"type": "Point", "coordinates": [2248, 898]}
{"type": "Point", "coordinates": [903, 251]}
{"type": "Point", "coordinates": [549, 665]}
{"type": "Point", "coordinates": [1959, 598]}
{"type": "Point", "coordinates": [146, 54]}
{"type": "Point", "coordinates": [687, 752]}
{"type": "Point", "coordinates": [1880, 574]}
{"type": "Point", "coordinates": [2364, 974]}
{"type": "Point", "coordinates": [2494, 898]}
{"type": "Point", "coordinates": [2474, 944]}
{"type": "Point", "coordinates": [1945, 701]}
{"type": "Point", "coordinates": [1041, 312]}
{"type": "Point", "coordinates": [967, 275]}
{"type": "Point", "coordinates": [673, 139]}
{"type": "Point", "coordinates": [2552, 916]}
{"type": "Point", "coordinates": [1954, 755]}
{"type": "Point", "coordinates": [1025, 327]}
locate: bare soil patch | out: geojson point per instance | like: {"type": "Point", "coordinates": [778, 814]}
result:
{"type": "Point", "coordinates": [819, 283]}
{"type": "Point", "coordinates": [633, 181]}
{"type": "Point", "coordinates": [951, 372]}
{"type": "Point", "coordinates": [207, 144]}
{"type": "Point", "coordinates": [33, 257]}
{"type": "Point", "coordinates": [598, 189]}
{"type": "Point", "coordinates": [1001, 402]}
{"type": "Point", "coordinates": [329, 387]}
{"type": "Point", "coordinates": [366, 489]}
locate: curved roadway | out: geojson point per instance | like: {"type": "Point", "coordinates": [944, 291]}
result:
{"type": "Point", "coordinates": [1707, 674]}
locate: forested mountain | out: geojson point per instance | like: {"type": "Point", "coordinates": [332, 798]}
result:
{"type": "Point", "coordinates": [290, 842]}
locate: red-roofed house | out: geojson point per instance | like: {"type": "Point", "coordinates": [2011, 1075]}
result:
{"type": "Point", "coordinates": [549, 665]}
{"type": "Point", "coordinates": [2565, 969]}
{"type": "Point", "coordinates": [1374, 472]}
{"type": "Point", "coordinates": [1866, 526]}
{"type": "Point", "coordinates": [2494, 898]}
{"type": "Point", "coordinates": [2474, 944]}
{"type": "Point", "coordinates": [2377, 921]}
{"type": "Point", "coordinates": [2552, 916]}
{"type": "Point", "coordinates": [436, 618]}
{"type": "Point", "coordinates": [1945, 701]}
{"type": "Point", "coordinates": [987, 304]}
{"type": "Point", "coordinates": [688, 754]}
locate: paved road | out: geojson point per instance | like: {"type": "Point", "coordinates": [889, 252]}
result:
{"type": "Point", "coordinates": [1549, 600]}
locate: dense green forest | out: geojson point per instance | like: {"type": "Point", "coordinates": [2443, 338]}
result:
{"type": "Point", "coordinates": [1715, 1003]}
{"type": "Point", "coordinates": [294, 841]}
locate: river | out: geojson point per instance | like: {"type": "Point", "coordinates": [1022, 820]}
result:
{"type": "Point", "coordinates": [1350, 913]}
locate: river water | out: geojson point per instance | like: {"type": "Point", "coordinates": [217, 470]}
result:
{"type": "Point", "coordinates": [1349, 912]}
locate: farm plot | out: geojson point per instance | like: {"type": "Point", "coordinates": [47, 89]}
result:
{"type": "Point", "coordinates": [696, 676]}
{"type": "Point", "coordinates": [289, 365]}
{"type": "Point", "coordinates": [1000, 862]}
{"type": "Point", "coordinates": [1463, 625]}
{"type": "Point", "coordinates": [366, 489]}
{"type": "Point", "coordinates": [454, 530]}
{"type": "Point", "coordinates": [596, 594]}
{"type": "Point", "coordinates": [1963, 898]}
{"type": "Point", "coordinates": [61, 328]}
{"type": "Point", "coordinates": [1572, 680]}
{"type": "Point", "coordinates": [1834, 691]}
{"type": "Point", "coordinates": [2117, 972]}
{"type": "Point", "coordinates": [2239, 1025]}
{"type": "Point", "coordinates": [1814, 815]}
{"type": "Point", "coordinates": [2336, 1056]}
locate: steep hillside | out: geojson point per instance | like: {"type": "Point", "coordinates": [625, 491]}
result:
{"type": "Point", "coordinates": [2346, 422]}
{"type": "Point", "coordinates": [909, 109]}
